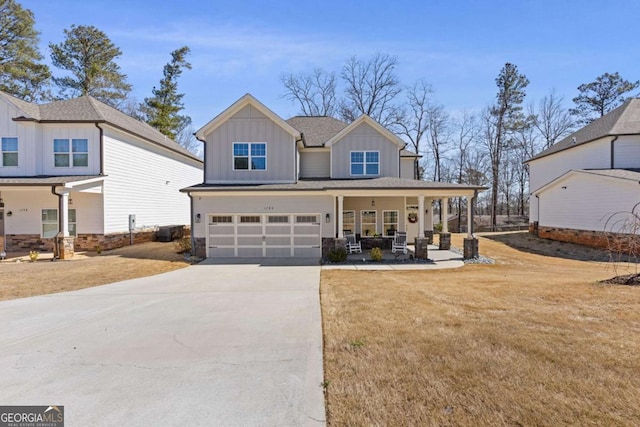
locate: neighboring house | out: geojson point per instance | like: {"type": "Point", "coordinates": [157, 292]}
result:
{"type": "Point", "coordinates": [580, 183]}
{"type": "Point", "coordinates": [81, 168]}
{"type": "Point", "coordinates": [276, 188]}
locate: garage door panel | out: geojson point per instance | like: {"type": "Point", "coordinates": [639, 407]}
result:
{"type": "Point", "coordinates": [278, 252]}
{"type": "Point", "coordinates": [221, 252]}
{"type": "Point", "coordinates": [250, 252]}
{"type": "Point", "coordinates": [278, 240]}
{"type": "Point", "coordinates": [221, 241]}
{"type": "Point", "coordinates": [250, 229]}
{"type": "Point", "coordinates": [250, 241]}
{"type": "Point", "coordinates": [216, 229]}
{"type": "Point", "coordinates": [307, 252]}
{"type": "Point", "coordinates": [278, 229]}
{"type": "Point", "coordinates": [305, 240]}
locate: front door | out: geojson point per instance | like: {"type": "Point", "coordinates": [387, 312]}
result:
{"type": "Point", "coordinates": [411, 222]}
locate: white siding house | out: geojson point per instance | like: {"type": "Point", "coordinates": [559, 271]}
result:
{"type": "Point", "coordinates": [580, 182]}
{"type": "Point", "coordinates": [309, 181]}
{"type": "Point", "coordinates": [80, 168]}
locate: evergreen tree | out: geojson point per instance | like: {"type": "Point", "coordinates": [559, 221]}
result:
{"type": "Point", "coordinates": [21, 73]}
{"type": "Point", "coordinates": [601, 96]}
{"type": "Point", "coordinates": [163, 108]}
{"type": "Point", "coordinates": [89, 55]}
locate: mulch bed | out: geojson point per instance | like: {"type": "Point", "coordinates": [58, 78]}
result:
{"type": "Point", "coordinates": [628, 279]}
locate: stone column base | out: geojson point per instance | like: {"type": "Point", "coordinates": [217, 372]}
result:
{"type": "Point", "coordinates": [470, 248]}
{"type": "Point", "coordinates": [422, 251]}
{"type": "Point", "coordinates": [445, 241]}
{"type": "Point", "coordinates": [428, 234]}
{"type": "Point", "coordinates": [65, 246]}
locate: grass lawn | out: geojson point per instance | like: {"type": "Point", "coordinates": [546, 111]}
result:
{"type": "Point", "coordinates": [19, 280]}
{"type": "Point", "coordinates": [531, 340]}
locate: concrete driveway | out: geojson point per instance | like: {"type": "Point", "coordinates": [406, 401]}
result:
{"type": "Point", "coordinates": [224, 345]}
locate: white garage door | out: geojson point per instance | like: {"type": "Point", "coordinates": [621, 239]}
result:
{"type": "Point", "coordinates": [264, 235]}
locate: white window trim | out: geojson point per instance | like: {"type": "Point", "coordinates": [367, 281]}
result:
{"type": "Point", "coordinates": [385, 224]}
{"type": "Point", "coordinates": [362, 235]}
{"type": "Point", "coordinates": [233, 157]}
{"type": "Point", "coordinates": [364, 162]}
{"type": "Point", "coordinates": [69, 153]}
{"type": "Point", "coordinates": [57, 222]}
{"type": "Point", "coordinates": [2, 152]}
{"type": "Point", "coordinates": [355, 223]}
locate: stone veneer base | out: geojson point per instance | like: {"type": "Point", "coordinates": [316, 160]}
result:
{"type": "Point", "coordinates": [595, 239]}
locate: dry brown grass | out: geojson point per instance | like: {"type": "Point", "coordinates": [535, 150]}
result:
{"type": "Point", "coordinates": [532, 340]}
{"type": "Point", "coordinates": [19, 280]}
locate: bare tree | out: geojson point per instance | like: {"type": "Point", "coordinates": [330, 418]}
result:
{"type": "Point", "coordinates": [187, 139]}
{"type": "Point", "coordinates": [438, 135]}
{"type": "Point", "coordinates": [465, 134]}
{"type": "Point", "coordinates": [501, 119]}
{"type": "Point", "coordinates": [414, 123]}
{"type": "Point", "coordinates": [371, 88]}
{"type": "Point", "coordinates": [553, 121]}
{"type": "Point", "coordinates": [314, 92]}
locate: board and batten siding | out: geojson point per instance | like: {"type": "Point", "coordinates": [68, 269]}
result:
{"type": "Point", "coordinates": [627, 152]}
{"type": "Point", "coordinates": [364, 138]}
{"type": "Point", "coordinates": [70, 131]}
{"type": "Point", "coordinates": [26, 134]}
{"type": "Point", "coordinates": [253, 203]}
{"type": "Point", "coordinates": [408, 167]}
{"type": "Point", "coordinates": [587, 201]}
{"type": "Point", "coordinates": [144, 180]}
{"type": "Point", "coordinates": [250, 125]}
{"type": "Point", "coordinates": [315, 164]}
{"type": "Point", "coordinates": [593, 155]}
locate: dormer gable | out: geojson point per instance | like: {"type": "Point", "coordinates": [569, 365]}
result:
{"type": "Point", "coordinates": [368, 121]}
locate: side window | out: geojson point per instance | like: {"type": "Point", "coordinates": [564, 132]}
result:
{"type": "Point", "coordinates": [70, 153]}
{"type": "Point", "coordinates": [250, 156]}
{"type": "Point", "coordinates": [9, 148]}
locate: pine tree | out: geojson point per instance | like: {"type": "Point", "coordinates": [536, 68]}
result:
{"type": "Point", "coordinates": [163, 108]}
{"type": "Point", "coordinates": [21, 73]}
{"type": "Point", "coordinates": [89, 55]}
{"type": "Point", "coordinates": [601, 96]}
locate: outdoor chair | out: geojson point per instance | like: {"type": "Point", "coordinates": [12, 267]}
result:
{"type": "Point", "coordinates": [399, 242]}
{"type": "Point", "coordinates": [352, 245]}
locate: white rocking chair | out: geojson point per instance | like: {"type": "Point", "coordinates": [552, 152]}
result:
{"type": "Point", "coordinates": [353, 247]}
{"type": "Point", "coordinates": [399, 242]}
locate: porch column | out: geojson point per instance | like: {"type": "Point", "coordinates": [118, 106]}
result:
{"type": "Point", "coordinates": [64, 214]}
{"type": "Point", "coordinates": [469, 217]}
{"type": "Point", "coordinates": [340, 217]}
{"type": "Point", "coordinates": [421, 216]}
{"type": "Point", "coordinates": [445, 215]}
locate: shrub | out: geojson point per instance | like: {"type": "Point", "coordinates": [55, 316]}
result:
{"type": "Point", "coordinates": [183, 245]}
{"type": "Point", "coordinates": [437, 227]}
{"type": "Point", "coordinates": [33, 255]}
{"type": "Point", "coordinates": [376, 254]}
{"type": "Point", "coordinates": [338, 255]}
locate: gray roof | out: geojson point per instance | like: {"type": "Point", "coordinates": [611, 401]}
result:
{"type": "Point", "coordinates": [47, 180]}
{"type": "Point", "coordinates": [624, 120]}
{"type": "Point", "coordinates": [317, 129]}
{"type": "Point", "coordinates": [628, 174]}
{"type": "Point", "coordinates": [88, 109]}
{"type": "Point", "coordinates": [384, 183]}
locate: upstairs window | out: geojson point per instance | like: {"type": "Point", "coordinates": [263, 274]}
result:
{"type": "Point", "coordinates": [250, 156]}
{"type": "Point", "coordinates": [365, 163]}
{"type": "Point", "coordinates": [70, 153]}
{"type": "Point", "coordinates": [9, 152]}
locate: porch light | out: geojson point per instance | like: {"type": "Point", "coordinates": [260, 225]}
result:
{"type": "Point", "coordinates": [373, 203]}
{"type": "Point", "coordinates": [198, 218]}
{"type": "Point", "coordinates": [70, 201]}
{"type": "Point", "coordinates": [327, 218]}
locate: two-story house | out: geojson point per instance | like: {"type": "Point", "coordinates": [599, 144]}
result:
{"type": "Point", "coordinates": [588, 183]}
{"type": "Point", "coordinates": [292, 188]}
{"type": "Point", "coordinates": [86, 170]}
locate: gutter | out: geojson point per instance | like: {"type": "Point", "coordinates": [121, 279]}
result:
{"type": "Point", "coordinates": [101, 148]}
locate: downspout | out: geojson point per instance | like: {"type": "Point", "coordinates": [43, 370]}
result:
{"type": "Point", "coordinates": [613, 151]}
{"type": "Point", "coordinates": [204, 169]}
{"type": "Point", "coordinates": [101, 148]}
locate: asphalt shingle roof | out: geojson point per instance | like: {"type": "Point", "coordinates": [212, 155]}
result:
{"type": "Point", "coordinates": [89, 109]}
{"type": "Point", "coordinates": [624, 120]}
{"type": "Point", "coordinates": [628, 174]}
{"type": "Point", "coordinates": [383, 183]}
{"type": "Point", "coordinates": [317, 129]}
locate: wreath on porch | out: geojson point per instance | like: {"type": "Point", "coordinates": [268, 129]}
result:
{"type": "Point", "coordinates": [413, 218]}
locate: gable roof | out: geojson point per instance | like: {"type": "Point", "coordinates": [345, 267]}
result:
{"type": "Point", "coordinates": [316, 129]}
{"type": "Point", "coordinates": [368, 120]}
{"type": "Point", "coordinates": [247, 99]}
{"type": "Point", "coordinates": [624, 120]}
{"type": "Point", "coordinates": [87, 109]}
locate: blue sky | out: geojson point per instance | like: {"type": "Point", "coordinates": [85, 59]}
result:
{"type": "Point", "coordinates": [457, 46]}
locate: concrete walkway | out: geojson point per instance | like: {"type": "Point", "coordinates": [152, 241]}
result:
{"type": "Point", "coordinates": [232, 345]}
{"type": "Point", "coordinates": [440, 259]}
